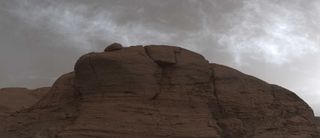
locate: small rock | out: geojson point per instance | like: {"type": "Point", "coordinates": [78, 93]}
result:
{"type": "Point", "coordinates": [113, 47]}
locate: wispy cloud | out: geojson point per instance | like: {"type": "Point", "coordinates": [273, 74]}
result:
{"type": "Point", "coordinates": [271, 31]}
{"type": "Point", "coordinates": [74, 24]}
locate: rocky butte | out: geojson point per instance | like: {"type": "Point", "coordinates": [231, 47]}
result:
{"type": "Point", "coordinates": [156, 91]}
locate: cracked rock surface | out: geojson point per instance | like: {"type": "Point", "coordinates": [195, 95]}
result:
{"type": "Point", "coordinates": [161, 91]}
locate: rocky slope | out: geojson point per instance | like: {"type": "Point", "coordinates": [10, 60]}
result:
{"type": "Point", "coordinates": [161, 91]}
{"type": "Point", "coordinates": [15, 99]}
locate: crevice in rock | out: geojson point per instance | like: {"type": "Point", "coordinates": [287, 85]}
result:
{"type": "Point", "coordinates": [147, 53]}
{"type": "Point", "coordinates": [217, 114]}
{"type": "Point", "coordinates": [273, 93]}
{"type": "Point", "coordinates": [161, 83]}
{"type": "Point", "coordinates": [175, 55]}
{"type": "Point", "coordinates": [161, 63]}
{"type": "Point", "coordinates": [156, 95]}
{"type": "Point", "coordinates": [163, 66]}
{"type": "Point", "coordinates": [276, 101]}
{"type": "Point", "coordinates": [215, 93]}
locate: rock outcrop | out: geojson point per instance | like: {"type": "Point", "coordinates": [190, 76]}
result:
{"type": "Point", "coordinates": [161, 91]}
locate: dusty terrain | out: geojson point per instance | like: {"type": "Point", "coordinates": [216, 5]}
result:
{"type": "Point", "coordinates": [159, 91]}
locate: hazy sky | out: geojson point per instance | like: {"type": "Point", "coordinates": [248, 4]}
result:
{"type": "Point", "coordinates": [275, 40]}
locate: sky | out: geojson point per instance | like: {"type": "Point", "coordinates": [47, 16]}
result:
{"type": "Point", "coordinates": [275, 40]}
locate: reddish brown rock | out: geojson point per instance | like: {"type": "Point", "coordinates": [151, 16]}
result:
{"type": "Point", "coordinates": [113, 47]}
{"type": "Point", "coordinates": [163, 55]}
{"type": "Point", "coordinates": [318, 123]}
{"type": "Point", "coordinates": [62, 92]}
{"type": "Point", "coordinates": [143, 99]}
{"type": "Point", "coordinates": [264, 110]}
{"type": "Point", "coordinates": [161, 91]}
{"type": "Point", "coordinates": [15, 99]}
{"type": "Point", "coordinates": [46, 118]}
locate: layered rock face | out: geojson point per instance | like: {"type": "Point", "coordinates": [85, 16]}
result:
{"type": "Point", "coordinates": [161, 91]}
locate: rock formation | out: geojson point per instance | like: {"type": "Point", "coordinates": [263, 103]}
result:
{"type": "Point", "coordinates": [161, 91]}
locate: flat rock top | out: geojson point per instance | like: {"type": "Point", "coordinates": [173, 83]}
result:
{"type": "Point", "coordinates": [161, 91]}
